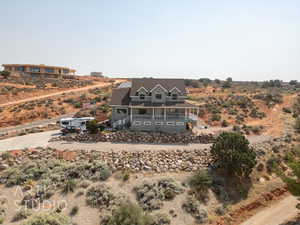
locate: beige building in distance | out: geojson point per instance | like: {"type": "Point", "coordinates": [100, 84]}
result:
{"type": "Point", "coordinates": [38, 69]}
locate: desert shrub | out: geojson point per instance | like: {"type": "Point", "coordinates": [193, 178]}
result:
{"type": "Point", "coordinates": [256, 129]}
{"type": "Point", "coordinates": [126, 176]}
{"type": "Point", "coordinates": [297, 125]}
{"type": "Point", "coordinates": [272, 164]}
{"type": "Point", "coordinates": [151, 195]}
{"type": "Point", "coordinates": [215, 117]}
{"type": "Point", "coordinates": [2, 215]}
{"type": "Point", "coordinates": [54, 173]}
{"type": "Point", "coordinates": [22, 214]}
{"type": "Point", "coordinates": [191, 206]}
{"type": "Point", "coordinates": [221, 211]}
{"type": "Point", "coordinates": [92, 127]}
{"type": "Point", "coordinates": [69, 186]}
{"type": "Point", "coordinates": [256, 114]}
{"type": "Point", "coordinates": [48, 219]}
{"type": "Point", "coordinates": [287, 110]}
{"type": "Point", "coordinates": [5, 155]}
{"type": "Point", "coordinates": [77, 104]}
{"type": "Point", "coordinates": [100, 196]}
{"type": "Point", "coordinates": [5, 74]}
{"type": "Point", "coordinates": [201, 181]}
{"type": "Point", "coordinates": [224, 123]}
{"type": "Point", "coordinates": [233, 153]}
{"type": "Point", "coordinates": [74, 210]}
{"type": "Point", "coordinates": [128, 214]}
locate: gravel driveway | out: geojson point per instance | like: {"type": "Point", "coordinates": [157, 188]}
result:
{"type": "Point", "coordinates": [42, 140]}
{"type": "Point", "coordinates": [28, 141]}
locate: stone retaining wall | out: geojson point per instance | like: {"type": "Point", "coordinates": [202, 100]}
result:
{"type": "Point", "coordinates": [158, 161]}
{"type": "Point", "coordinates": [140, 137]}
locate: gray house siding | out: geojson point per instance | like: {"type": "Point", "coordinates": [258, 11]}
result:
{"type": "Point", "coordinates": [117, 113]}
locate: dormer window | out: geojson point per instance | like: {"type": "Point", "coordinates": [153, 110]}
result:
{"type": "Point", "coordinates": [174, 96]}
{"type": "Point", "coordinates": [158, 96]}
{"type": "Point", "coordinates": [142, 96]}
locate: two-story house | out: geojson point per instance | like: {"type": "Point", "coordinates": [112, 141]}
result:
{"type": "Point", "coordinates": [152, 105]}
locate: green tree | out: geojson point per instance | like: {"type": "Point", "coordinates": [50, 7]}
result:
{"type": "Point", "coordinates": [293, 82]}
{"type": "Point", "coordinates": [234, 155]}
{"type": "Point", "coordinates": [293, 183]}
{"type": "Point", "coordinates": [92, 127]}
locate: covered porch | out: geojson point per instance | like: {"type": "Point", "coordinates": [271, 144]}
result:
{"type": "Point", "coordinates": [164, 113]}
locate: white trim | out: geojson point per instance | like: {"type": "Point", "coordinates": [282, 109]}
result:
{"type": "Point", "coordinates": [157, 86]}
{"type": "Point", "coordinates": [137, 123]}
{"type": "Point", "coordinates": [147, 123]}
{"type": "Point", "coordinates": [159, 123]}
{"type": "Point", "coordinates": [176, 89]}
{"type": "Point", "coordinates": [179, 123]}
{"type": "Point", "coordinates": [142, 88]}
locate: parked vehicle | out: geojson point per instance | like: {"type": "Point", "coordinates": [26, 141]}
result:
{"type": "Point", "coordinates": [74, 125]}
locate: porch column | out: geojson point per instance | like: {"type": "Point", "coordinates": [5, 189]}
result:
{"type": "Point", "coordinates": [185, 113]}
{"type": "Point", "coordinates": [130, 115]}
{"type": "Point", "coordinates": [165, 113]}
{"type": "Point", "coordinates": [153, 111]}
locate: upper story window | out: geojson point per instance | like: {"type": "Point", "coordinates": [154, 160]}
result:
{"type": "Point", "coordinates": [174, 96]}
{"type": "Point", "coordinates": [65, 71]}
{"type": "Point", "coordinates": [158, 96]}
{"type": "Point", "coordinates": [142, 96]}
{"type": "Point", "coordinates": [35, 69]}
{"type": "Point", "coordinates": [49, 70]}
{"type": "Point", "coordinates": [20, 68]}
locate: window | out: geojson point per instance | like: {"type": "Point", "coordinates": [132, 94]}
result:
{"type": "Point", "coordinates": [122, 111]}
{"type": "Point", "coordinates": [147, 123]}
{"type": "Point", "coordinates": [174, 96]}
{"type": "Point", "coordinates": [142, 96]}
{"type": "Point", "coordinates": [65, 71]}
{"type": "Point", "coordinates": [20, 68]}
{"type": "Point", "coordinates": [49, 70]}
{"type": "Point", "coordinates": [35, 69]}
{"type": "Point", "coordinates": [65, 123]}
{"type": "Point", "coordinates": [158, 96]}
{"type": "Point", "coordinates": [142, 111]}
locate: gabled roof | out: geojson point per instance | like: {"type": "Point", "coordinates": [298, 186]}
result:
{"type": "Point", "coordinates": [150, 83]}
{"type": "Point", "coordinates": [120, 96]}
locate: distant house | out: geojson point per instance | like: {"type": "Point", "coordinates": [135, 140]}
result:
{"type": "Point", "coordinates": [38, 69]}
{"type": "Point", "coordinates": [97, 74]}
{"type": "Point", "coordinates": [152, 105]}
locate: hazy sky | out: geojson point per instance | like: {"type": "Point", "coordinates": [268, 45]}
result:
{"type": "Point", "coordinates": [247, 40]}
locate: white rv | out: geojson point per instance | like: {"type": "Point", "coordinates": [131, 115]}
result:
{"type": "Point", "coordinates": [75, 124]}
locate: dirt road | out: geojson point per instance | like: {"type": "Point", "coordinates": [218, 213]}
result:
{"type": "Point", "coordinates": [276, 214]}
{"type": "Point", "coordinates": [102, 85]}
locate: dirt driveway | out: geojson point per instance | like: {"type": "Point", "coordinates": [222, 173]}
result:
{"type": "Point", "coordinates": [276, 214]}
